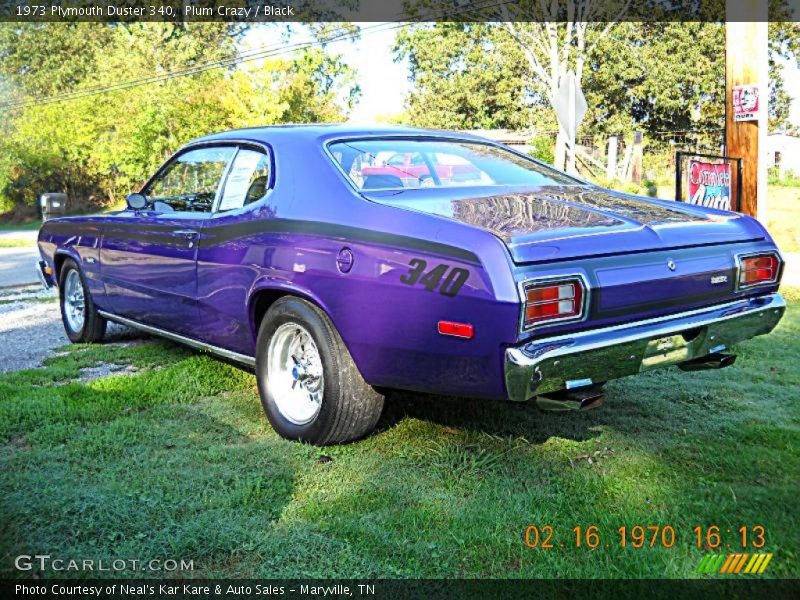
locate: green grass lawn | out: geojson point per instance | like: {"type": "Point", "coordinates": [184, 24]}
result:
{"type": "Point", "coordinates": [783, 217]}
{"type": "Point", "coordinates": [25, 226]}
{"type": "Point", "coordinates": [178, 461]}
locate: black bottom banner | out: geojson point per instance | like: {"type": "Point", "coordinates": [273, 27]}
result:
{"type": "Point", "coordinates": [380, 589]}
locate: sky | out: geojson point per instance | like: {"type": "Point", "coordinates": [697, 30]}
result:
{"type": "Point", "coordinates": [384, 82]}
{"type": "Point", "coordinates": [791, 78]}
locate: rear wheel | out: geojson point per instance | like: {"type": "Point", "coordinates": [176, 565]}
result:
{"type": "Point", "coordinates": [82, 322]}
{"type": "Point", "coordinates": [310, 387]}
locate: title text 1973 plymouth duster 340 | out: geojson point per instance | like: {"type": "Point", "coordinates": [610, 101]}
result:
{"type": "Point", "coordinates": [337, 276]}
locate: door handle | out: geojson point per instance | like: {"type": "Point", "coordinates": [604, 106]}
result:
{"type": "Point", "coordinates": [187, 233]}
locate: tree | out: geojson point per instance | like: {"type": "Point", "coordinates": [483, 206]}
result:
{"type": "Point", "coordinates": [466, 76]}
{"type": "Point", "coordinates": [98, 148]}
{"type": "Point", "coordinates": [528, 47]}
{"type": "Point", "coordinates": [784, 44]}
{"type": "Point", "coordinates": [653, 76]}
{"type": "Point", "coordinates": [553, 48]}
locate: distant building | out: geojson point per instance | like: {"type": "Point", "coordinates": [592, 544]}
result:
{"type": "Point", "coordinates": [783, 152]}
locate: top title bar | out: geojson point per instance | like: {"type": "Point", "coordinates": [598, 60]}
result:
{"type": "Point", "coordinates": [263, 11]}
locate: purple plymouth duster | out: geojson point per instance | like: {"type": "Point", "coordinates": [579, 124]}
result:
{"type": "Point", "coordinates": [337, 273]}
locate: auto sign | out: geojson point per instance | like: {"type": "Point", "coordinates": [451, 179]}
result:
{"type": "Point", "coordinates": [710, 184]}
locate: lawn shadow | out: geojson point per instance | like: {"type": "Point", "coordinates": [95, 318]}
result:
{"type": "Point", "coordinates": [494, 417]}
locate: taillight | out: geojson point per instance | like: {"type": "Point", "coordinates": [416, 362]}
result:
{"type": "Point", "coordinates": [553, 301]}
{"type": "Point", "coordinates": [758, 269]}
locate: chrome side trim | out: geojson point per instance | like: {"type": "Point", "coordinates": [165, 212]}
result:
{"type": "Point", "coordinates": [175, 337]}
{"type": "Point", "coordinates": [547, 364]}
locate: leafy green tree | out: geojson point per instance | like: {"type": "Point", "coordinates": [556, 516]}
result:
{"type": "Point", "coordinates": [466, 76]}
{"type": "Point", "coordinates": [784, 43]}
{"type": "Point", "coordinates": [656, 76]}
{"type": "Point", "coordinates": [99, 147]}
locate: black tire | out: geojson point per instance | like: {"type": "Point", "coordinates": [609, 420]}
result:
{"type": "Point", "coordinates": [349, 409]}
{"type": "Point", "coordinates": [94, 326]}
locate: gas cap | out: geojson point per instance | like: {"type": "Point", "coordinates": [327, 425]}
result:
{"type": "Point", "coordinates": [344, 261]}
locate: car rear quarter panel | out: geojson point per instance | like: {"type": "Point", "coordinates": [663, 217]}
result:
{"type": "Point", "coordinates": [291, 243]}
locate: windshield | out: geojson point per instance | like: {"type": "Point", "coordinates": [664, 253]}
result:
{"type": "Point", "coordinates": [393, 163]}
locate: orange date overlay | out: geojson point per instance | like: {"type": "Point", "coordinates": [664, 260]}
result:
{"type": "Point", "coordinates": [704, 537]}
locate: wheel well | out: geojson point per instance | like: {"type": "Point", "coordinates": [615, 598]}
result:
{"type": "Point", "coordinates": [264, 299]}
{"type": "Point", "coordinates": [58, 261]}
{"type": "Point", "coordinates": [261, 303]}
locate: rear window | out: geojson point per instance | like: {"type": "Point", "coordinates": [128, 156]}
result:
{"type": "Point", "coordinates": [394, 163]}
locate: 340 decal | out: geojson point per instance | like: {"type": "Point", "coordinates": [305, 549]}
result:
{"type": "Point", "coordinates": [448, 280]}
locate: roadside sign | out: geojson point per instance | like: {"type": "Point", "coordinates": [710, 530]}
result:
{"type": "Point", "coordinates": [709, 183]}
{"type": "Point", "coordinates": [708, 180]}
{"type": "Point", "coordinates": [570, 104]}
{"type": "Point", "coordinates": [746, 103]}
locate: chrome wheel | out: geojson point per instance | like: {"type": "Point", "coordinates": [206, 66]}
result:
{"type": "Point", "coordinates": [74, 302]}
{"type": "Point", "coordinates": [295, 374]}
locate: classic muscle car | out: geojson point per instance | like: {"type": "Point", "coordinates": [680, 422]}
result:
{"type": "Point", "coordinates": [270, 248]}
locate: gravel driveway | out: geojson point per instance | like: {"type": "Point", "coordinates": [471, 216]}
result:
{"type": "Point", "coordinates": [31, 328]}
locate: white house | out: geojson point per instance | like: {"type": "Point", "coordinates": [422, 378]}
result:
{"type": "Point", "coordinates": [783, 151]}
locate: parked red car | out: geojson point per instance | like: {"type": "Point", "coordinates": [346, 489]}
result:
{"type": "Point", "coordinates": [411, 169]}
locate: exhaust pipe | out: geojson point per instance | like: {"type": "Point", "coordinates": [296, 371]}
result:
{"type": "Point", "coordinates": [576, 399]}
{"type": "Point", "coordinates": [717, 360]}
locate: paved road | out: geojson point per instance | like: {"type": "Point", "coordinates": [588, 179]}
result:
{"type": "Point", "coordinates": [16, 265]}
{"type": "Point", "coordinates": [27, 234]}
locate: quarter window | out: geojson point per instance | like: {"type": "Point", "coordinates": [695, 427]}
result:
{"type": "Point", "coordinates": [248, 180]}
{"type": "Point", "coordinates": [190, 182]}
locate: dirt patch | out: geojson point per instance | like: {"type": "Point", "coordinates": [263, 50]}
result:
{"type": "Point", "coordinates": [104, 370]}
{"type": "Point", "coordinates": [31, 328]}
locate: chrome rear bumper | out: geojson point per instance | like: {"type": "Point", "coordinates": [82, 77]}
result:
{"type": "Point", "coordinates": [573, 360]}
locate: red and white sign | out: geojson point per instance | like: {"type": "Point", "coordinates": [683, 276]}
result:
{"type": "Point", "coordinates": [710, 184]}
{"type": "Point", "coordinates": [745, 103]}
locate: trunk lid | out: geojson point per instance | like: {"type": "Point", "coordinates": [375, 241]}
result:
{"type": "Point", "coordinates": [642, 258]}
{"type": "Point", "coordinates": [558, 223]}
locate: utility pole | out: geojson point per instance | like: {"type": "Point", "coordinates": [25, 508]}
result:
{"type": "Point", "coordinates": [746, 73]}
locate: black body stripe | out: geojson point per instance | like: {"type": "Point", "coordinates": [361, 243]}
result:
{"type": "Point", "coordinates": [213, 235]}
{"type": "Point", "coordinates": [224, 233]}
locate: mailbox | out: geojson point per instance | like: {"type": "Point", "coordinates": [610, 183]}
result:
{"type": "Point", "coordinates": [54, 204]}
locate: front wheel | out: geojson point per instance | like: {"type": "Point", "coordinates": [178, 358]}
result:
{"type": "Point", "coordinates": [310, 387]}
{"type": "Point", "coordinates": [82, 322]}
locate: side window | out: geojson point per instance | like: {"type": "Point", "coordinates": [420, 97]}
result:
{"type": "Point", "coordinates": [248, 180]}
{"type": "Point", "coordinates": [190, 182]}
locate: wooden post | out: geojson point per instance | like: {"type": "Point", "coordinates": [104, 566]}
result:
{"type": "Point", "coordinates": [611, 161]}
{"type": "Point", "coordinates": [746, 58]}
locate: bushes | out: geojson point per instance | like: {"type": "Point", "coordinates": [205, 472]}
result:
{"type": "Point", "coordinates": [542, 149]}
{"type": "Point", "coordinates": [786, 179]}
